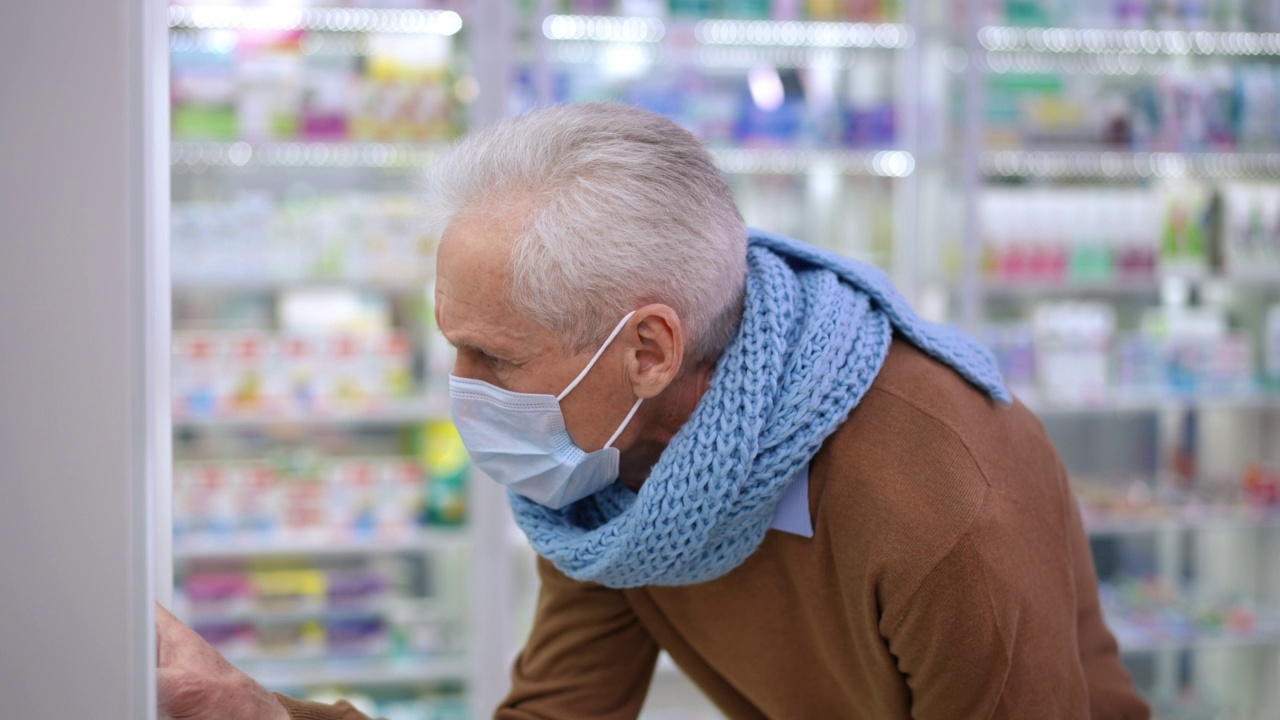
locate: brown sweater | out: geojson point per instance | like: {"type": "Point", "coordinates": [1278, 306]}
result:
{"type": "Point", "coordinates": [948, 577]}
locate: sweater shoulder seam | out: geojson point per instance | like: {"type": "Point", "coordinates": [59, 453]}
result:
{"type": "Point", "coordinates": [950, 428]}
{"type": "Point", "coordinates": [966, 530]}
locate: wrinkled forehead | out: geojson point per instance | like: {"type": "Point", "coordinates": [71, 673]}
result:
{"type": "Point", "coordinates": [472, 262]}
{"type": "Point", "coordinates": [477, 242]}
{"type": "Point", "coordinates": [472, 279]}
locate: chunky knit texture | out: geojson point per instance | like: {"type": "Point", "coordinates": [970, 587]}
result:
{"type": "Point", "coordinates": [815, 331]}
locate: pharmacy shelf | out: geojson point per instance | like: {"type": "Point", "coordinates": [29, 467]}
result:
{"type": "Point", "coordinates": [285, 674]}
{"type": "Point", "coordinates": [1161, 629]}
{"type": "Point", "coordinates": [1253, 401]}
{"type": "Point", "coordinates": [1027, 289]}
{"type": "Point", "coordinates": [1223, 639]}
{"type": "Point", "coordinates": [736, 161]}
{"type": "Point", "coordinates": [327, 612]}
{"type": "Point", "coordinates": [198, 155]}
{"type": "Point", "coordinates": [1113, 526]}
{"type": "Point", "coordinates": [1252, 278]}
{"type": "Point", "coordinates": [1033, 63]}
{"type": "Point", "coordinates": [420, 608]}
{"type": "Point", "coordinates": [881, 163]}
{"type": "Point", "coordinates": [791, 33]}
{"type": "Point", "coordinates": [712, 57]}
{"type": "Point", "coordinates": [600, 28]}
{"type": "Point", "coordinates": [1139, 288]}
{"type": "Point", "coordinates": [715, 43]}
{"type": "Point", "coordinates": [752, 33]}
{"type": "Point", "coordinates": [996, 39]}
{"type": "Point", "coordinates": [248, 547]}
{"type": "Point", "coordinates": [1118, 165]}
{"type": "Point", "coordinates": [279, 285]}
{"type": "Point", "coordinates": [277, 17]}
{"type": "Point", "coordinates": [397, 413]}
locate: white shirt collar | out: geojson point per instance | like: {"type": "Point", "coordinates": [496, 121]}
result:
{"type": "Point", "coordinates": [792, 513]}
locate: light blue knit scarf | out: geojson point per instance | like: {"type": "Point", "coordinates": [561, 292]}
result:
{"type": "Point", "coordinates": [815, 331]}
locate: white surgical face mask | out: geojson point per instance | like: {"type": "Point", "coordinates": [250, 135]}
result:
{"type": "Point", "coordinates": [520, 440]}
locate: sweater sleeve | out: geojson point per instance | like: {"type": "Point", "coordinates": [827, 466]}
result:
{"type": "Point", "coordinates": [1007, 625]}
{"type": "Point", "coordinates": [1111, 693]}
{"type": "Point", "coordinates": [304, 710]}
{"type": "Point", "coordinates": [587, 657]}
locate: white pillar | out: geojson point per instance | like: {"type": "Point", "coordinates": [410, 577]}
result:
{"type": "Point", "coordinates": [82, 354]}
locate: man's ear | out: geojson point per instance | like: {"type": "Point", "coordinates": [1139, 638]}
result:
{"type": "Point", "coordinates": [656, 349]}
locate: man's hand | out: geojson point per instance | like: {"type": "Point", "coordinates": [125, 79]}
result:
{"type": "Point", "coordinates": [194, 681]}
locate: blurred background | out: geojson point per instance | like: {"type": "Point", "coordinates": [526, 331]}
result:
{"type": "Point", "coordinates": [1091, 187]}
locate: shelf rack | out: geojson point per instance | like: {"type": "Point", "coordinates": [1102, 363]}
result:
{"type": "Point", "coordinates": [1205, 641]}
{"type": "Point", "coordinates": [344, 32]}
{"type": "Point", "coordinates": [1117, 288]}
{"type": "Point", "coordinates": [998, 39]}
{"type": "Point", "coordinates": [880, 163]}
{"type": "Point", "coordinates": [299, 674]}
{"type": "Point", "coordinates": [1186, 538]}
{"type": "Point", "coordinates": [1126, 288]}
{"type": "Point", "coordinates": [1113, 526]}
{"type": "Point", "coordinates": [812, 34]}
{"type": "Point", "coordinates": [734, 161]}
{"type": "Point", "coordinates": [283, 154]}
{"type": "Point", "coordinates": [757, 33]}
{"type": "Point", "coordinates": [277, 285]}
{"type": "Point", "coordinates": [356, 20]}
{"type": "Point", "coordinates": [1159, 403]}
{"type": "Point", "coordinates": [1120, 165]}
{"type": "Point", "coordinates": [396, 413]}
{"type": "Point", "coordinates": [249, 547]}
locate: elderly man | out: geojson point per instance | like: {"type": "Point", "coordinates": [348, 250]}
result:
{"type": "Point", "coordinates": [736, 448]}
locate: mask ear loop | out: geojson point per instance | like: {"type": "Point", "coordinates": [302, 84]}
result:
{"type": "Point", "coordinates": [625, 422]}
{"type": "Point", "coordinates": [592, 364]}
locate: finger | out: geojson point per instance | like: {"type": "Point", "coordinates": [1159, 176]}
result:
{"type": "Point", "coordinates": [177, 692]}
{"type": "Point", "coordinates": [169, 633]}
{"type": "Point", "coordinates": [164, 620]}
{"type": "Point", "coordinates": [178, 645]}
{"type": "Point", "coordinates": [164, 616]}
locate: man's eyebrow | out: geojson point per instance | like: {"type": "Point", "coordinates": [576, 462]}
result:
{"type": "Point", "coordinates": [464, 345]}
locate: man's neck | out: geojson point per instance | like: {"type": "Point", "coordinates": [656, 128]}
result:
{"type": "Point", "coordinates": [663, 418]}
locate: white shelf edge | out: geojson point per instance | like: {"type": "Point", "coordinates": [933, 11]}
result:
{"type": "Point", "coordinates": [421, 541]}
{"type": "Point", "coordinates": [302, 154]}
{"type": "Point", "coordinates": [1029, 288]}
{"type": "Point", "coordinates": [223, 17]}
{"type": "Point", "coordinates": [834, 34]}
{"type": "Point", "coordinates": [1215, 640]}
{"type": "Point", "coordinates": [1124, 164]}
{"type": "Point", "coordinates": [1260, 401]}
{"type": "Point", "coordinates": [886, 162]}
{"type": "Point", "coordinates": [285, 284]}
{"type": "Point", "coordinates": [357, 671]}
{"type": "Point", "coordinates": [1113, 528]}
{"type": "Point", "coordinates": [604, 28]}
{"type": "Point", "coordinates": [797, 161]}
{"type": "Point", "coordinates": [804, 33]}
{"type": "Point", "coordinates": [419, 607]}
{"type": "Point", "coordinates": [397, 413]}
{"type": "Point", "coordinates": [1249, 278]}
{"type": "Point", "coordinates": [1060, 40]}
{"type": "Point", "coordinates": [1128, 287]}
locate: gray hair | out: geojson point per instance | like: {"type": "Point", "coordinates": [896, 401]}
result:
{"type": "Point", "coordinates": [625, 208]}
